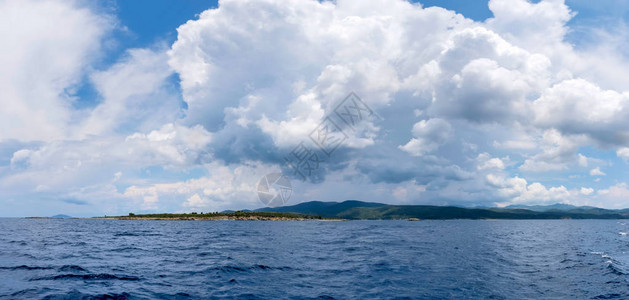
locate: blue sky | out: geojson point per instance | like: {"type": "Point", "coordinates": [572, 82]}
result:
{"type": "Point", "coordinates": [145, 106]}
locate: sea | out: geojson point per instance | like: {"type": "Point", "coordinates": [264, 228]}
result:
{"type": "Point", "coordinates": [452, 259]}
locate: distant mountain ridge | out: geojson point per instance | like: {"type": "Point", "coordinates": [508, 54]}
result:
{"type": "Point", "coordinates": [321, 208]}
{"type": "Point", "coordinates": [556, 206]}
{"type": "Point", "coordinates": [356, 210]}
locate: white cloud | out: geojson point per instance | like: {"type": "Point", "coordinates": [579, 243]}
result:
{"type": "Point", "coordinates": [536, 26]}
{"type": "Point", "coordinates": [361, 48]}
{"type": "Point", "coordinates": [515, 70]}
{"type": "Point", "coordinates": [614, 197]}
{"type": "Point", "coordinates": [195, 201]}
{"type": "Point", "coordinates": [172, 144]}
{"type": "Point", "coordinates": [74, 165]}
{"type": "Point", "coordinates": [428, 136]}
{"type": "Point", "coordinates": [486, 162]}
{"type": "Point", "coordinates": [303, 117]}
{"type": "Point", "coordinates": [586, 191]}
{"type": "Point", "coordinates": [485, 79]}
{"type": "Point", "coordinates": [580, 107]}
{"type": "Point", "coordinates": [518, 190]}
{"type": "Point", "coordinates": [623, 153]}
{"type": "Point", "coordinates": [558, 153]}
{"type": "Point", "coordinates": [135, 95]}
{"type": "Point", "coordinates": [583, 160]}
{"type": "Point", "coordinates": [222, 189]}
{"type": "Point", "coordinates": [597, 172]}
{"type": "Point", "coordinates": [41, 63]}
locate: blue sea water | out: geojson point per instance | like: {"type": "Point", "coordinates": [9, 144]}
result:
{"type": "Point", "coordinates": [511, 259]}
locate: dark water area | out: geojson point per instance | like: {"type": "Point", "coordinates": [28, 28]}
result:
{"type": "Point", "coordinates": [511, 259]}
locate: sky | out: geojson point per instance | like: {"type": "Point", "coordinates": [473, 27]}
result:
{"type": "Point", "coordinates": [112, 107]}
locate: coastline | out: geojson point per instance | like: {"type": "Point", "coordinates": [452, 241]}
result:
{"type": "Point", "coordinates": [223, 216]}
{"type": "Point", "coordinates": [218, 218]}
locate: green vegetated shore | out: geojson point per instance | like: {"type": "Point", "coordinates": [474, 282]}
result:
{"type": "Point", "coordinates": [217, 216]}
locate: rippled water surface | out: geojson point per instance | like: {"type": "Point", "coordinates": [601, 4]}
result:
{"type": "Point", "coordinates": [68, 259]}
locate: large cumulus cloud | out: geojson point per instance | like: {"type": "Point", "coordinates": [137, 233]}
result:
{"type": "Point", "coordinates": [282, 66]}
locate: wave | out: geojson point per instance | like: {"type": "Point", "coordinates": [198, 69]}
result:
{"type": "Point", "coordinates": [102, 276]}
{"type": "Point", "coordinates": [26, 293]}
{"type": "Point", "coordinates": [617, 268]}
{"type": "Point", "coordinates": [136, 234]}
{"type": "Point", "coordinates": [228, 269]}
{"type": "Point", "coordinates": [25, 267]}
{"type": "Point", "coordinates": [126, 249]}
{"type": "Point", "coordinates": [21, 243]}
{"type": "Point", "coordinates": [71, 268]}
{"type": "Point", "coordinates": [78, 295]}
{"type": "Point", "coordinates": [173, 296]}
{"type": "Point", "coordinates": [609, 296]}
{"type": "Point", "coordinates": [231, 269]}
{"type": "Point", "coordinates": [64, 268]}
{"type": "Point", "coordinates": [213, 253]}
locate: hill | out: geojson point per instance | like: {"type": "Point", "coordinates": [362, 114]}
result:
{"type": "Point", "coordinates": [323, 209]}
{"type": "Point", "coordinates": [60, 217]}
{"type": "Point", "coordinates": [357, 210]}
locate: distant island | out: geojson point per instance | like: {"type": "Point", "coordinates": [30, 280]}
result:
{"type": "Point", "coordinates": [359, 210]}
{"type": "Point", "coordinates": [53, 217]}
